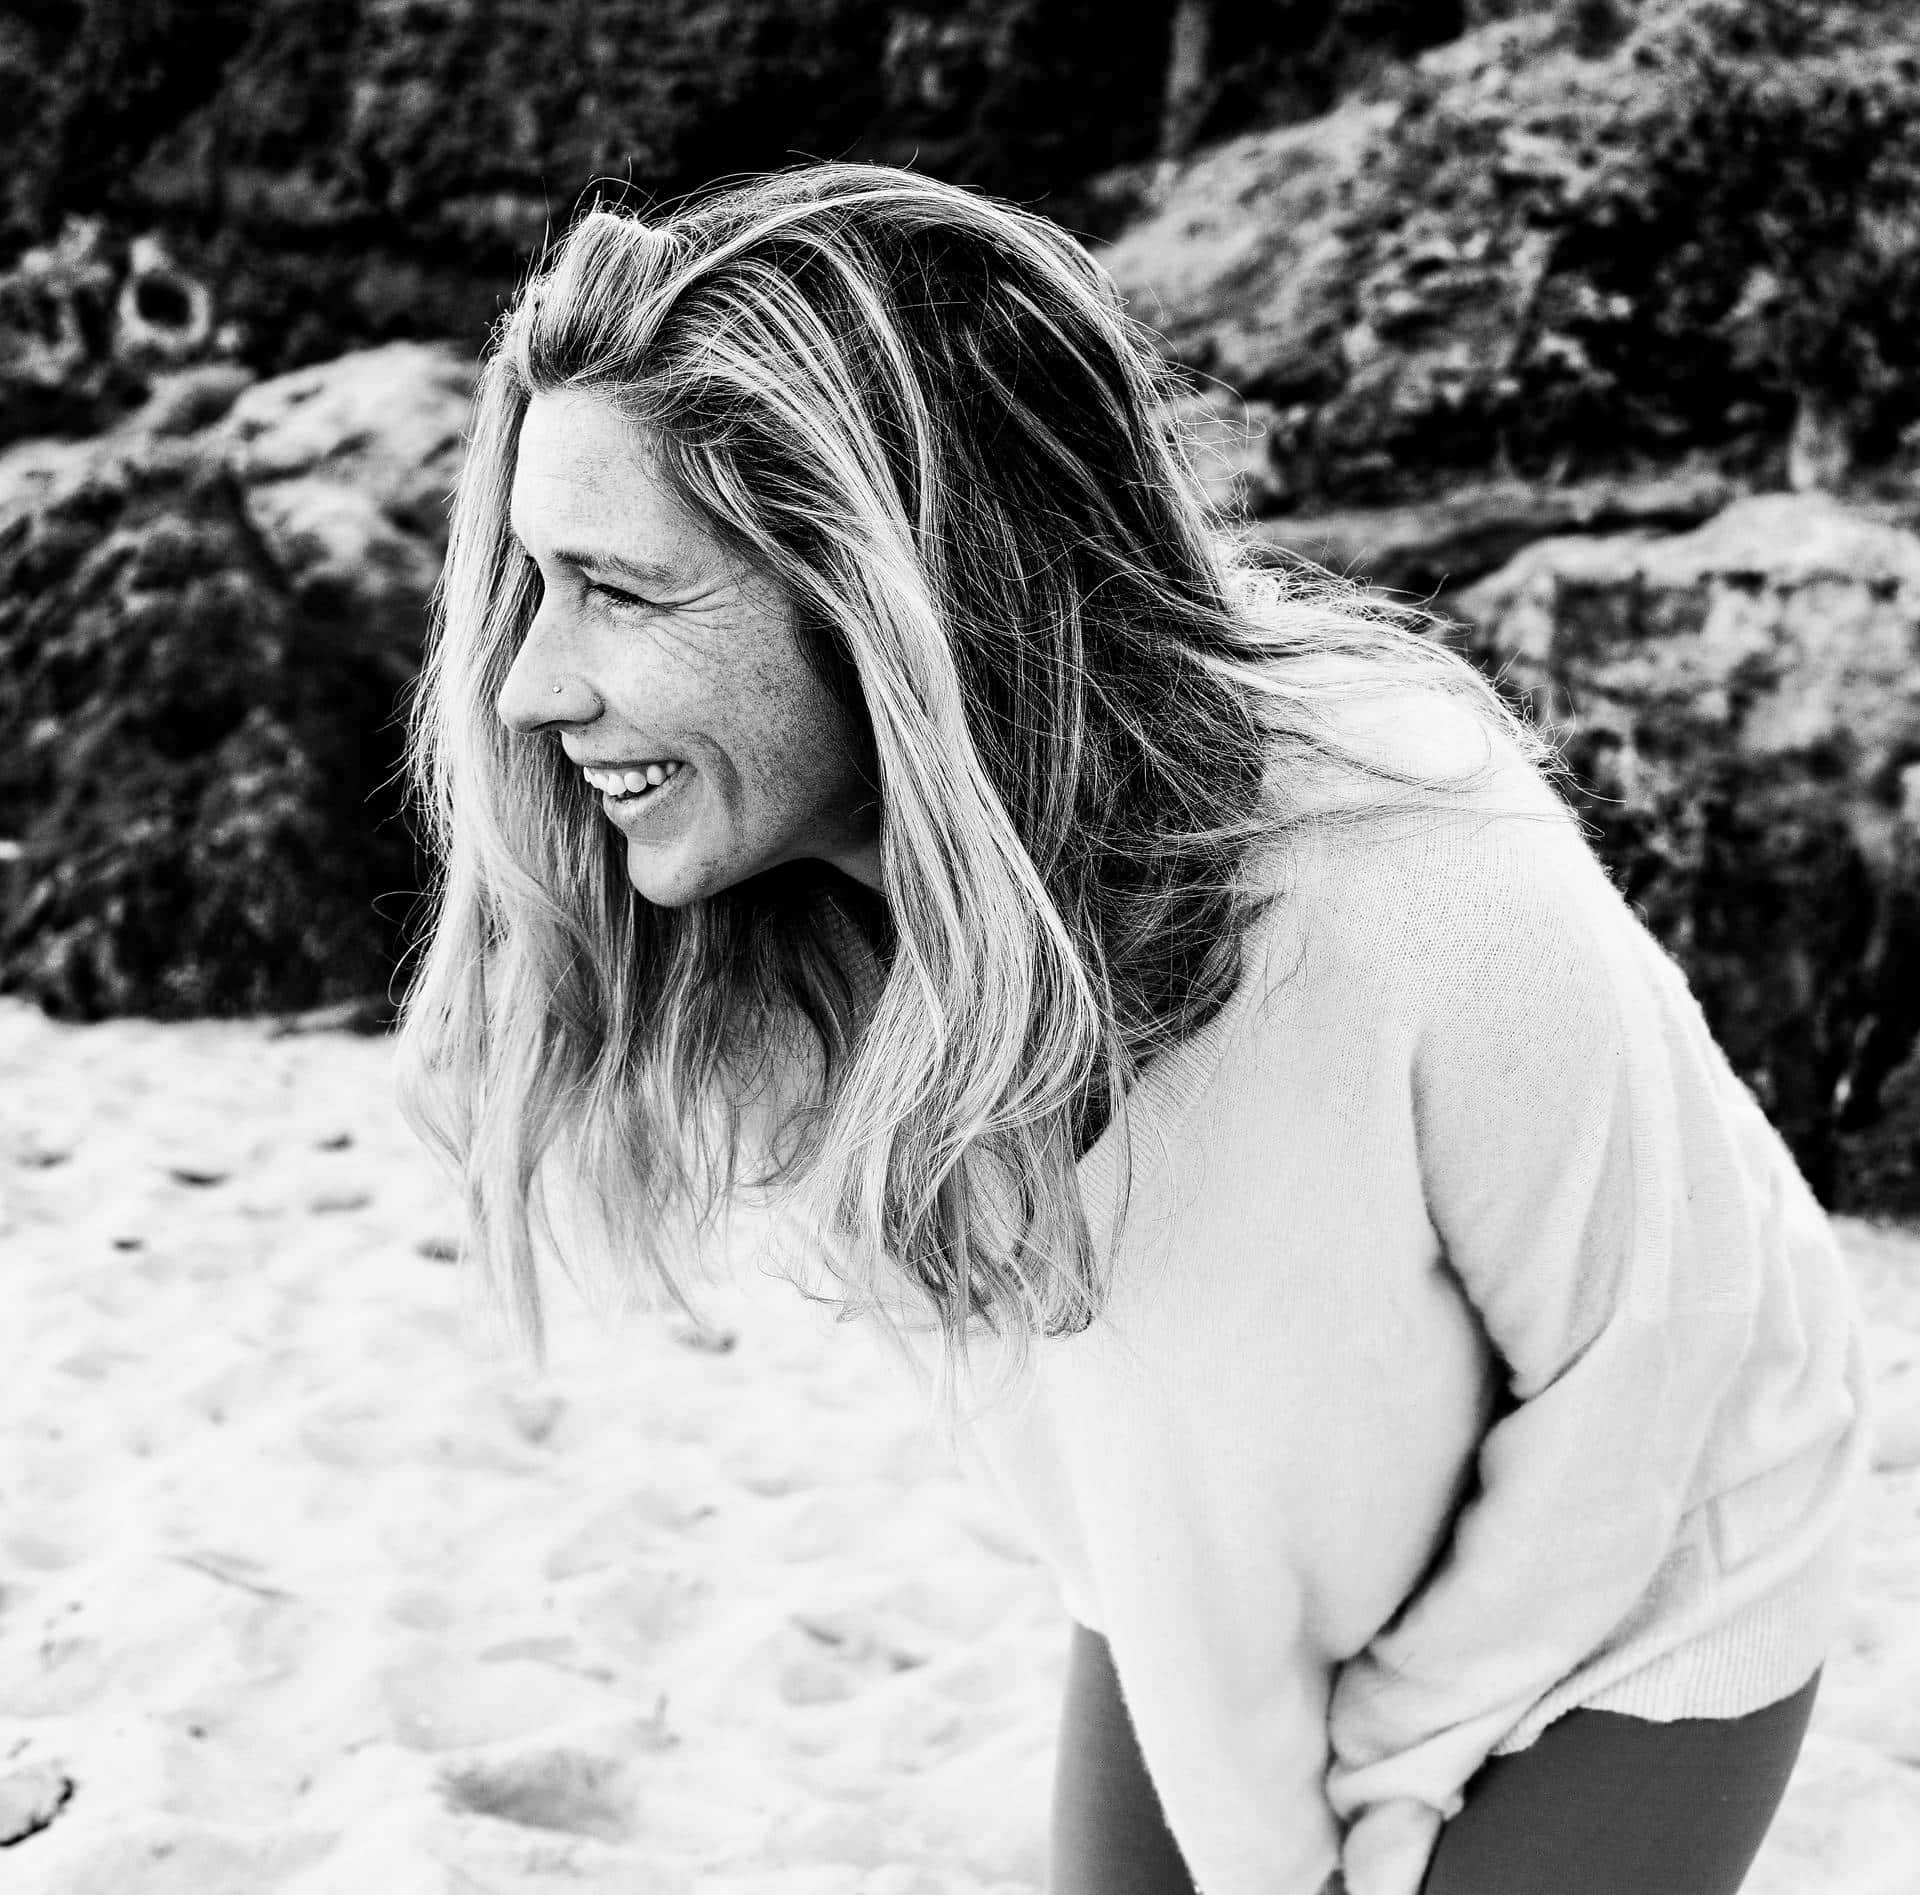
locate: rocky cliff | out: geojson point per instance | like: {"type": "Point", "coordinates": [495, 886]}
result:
{"type": "Point", "coordinates": [1597, 324]}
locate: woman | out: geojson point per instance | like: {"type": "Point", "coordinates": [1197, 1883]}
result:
{"type": "Point", "coordinates": [863, 780]}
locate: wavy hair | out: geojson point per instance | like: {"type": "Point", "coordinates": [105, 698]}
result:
{"type": "Point", "coordinates": [925, 415]}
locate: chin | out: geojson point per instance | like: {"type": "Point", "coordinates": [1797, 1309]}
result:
{"type": "Point", "coordinates": [666, 890]}
{"type": "Point", "coordinates": [661, 877]}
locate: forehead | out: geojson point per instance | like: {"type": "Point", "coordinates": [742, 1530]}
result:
{"type": "Point", "coordinates": [583, 468]}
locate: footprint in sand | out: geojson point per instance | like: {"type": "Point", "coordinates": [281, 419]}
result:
{"type": "Point", "coordinates": [817, 1526]}
{"type": "Point", "coordinates": [705, 1340]}
{"type": "Point", "coordinates": [533, 1414]}
{"type": "Point", "coordinates": [834, 1837]}
{"type": "Point", "coordinates": [564, 1788]}
{"type": "Point", "coordinates": [95, 1363]}
{"type": "Point", "coordinates": [422, 1611]}
{"type": "Point", "coordinates": [632, 1613]}
{"type": "Point", "coordinates": [562, 1651]}
{"type": "Point", "coordinates": [63, 1676]}
{"type": "Point", "coordinates": [30, 1799]}
{"type": "Point", "coordinates": [351, 1435]}
{"type": "Point", "coordinates": [921, 1731]}
{"type": "Point", "coordinates": [38, 1553]}
{"type": "Point", "coordinates": [1850, 1821]}
{"type": "Point", "coordinates": [831, 1656]}
{"type": "Point", "coordinates": [1896, 1436]}
{"type": "Point", "coordinates": [899, 1878]}
{"type": "Point", "coordinates": [340, 1199]}
{"type": "Point", "coordinates": [641, 1521]}
{"type": "Point", "coordinates": [944, 1613]}
{"type": "Point", "coordinates": [437, 1701]}
{"type": "Point", "coordinates": [167, 1857]}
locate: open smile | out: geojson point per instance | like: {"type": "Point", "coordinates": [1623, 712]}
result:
{"type": "Point", "coordinates": [637, 782]}
{"type": "Point", "coordinates": [656, 789]}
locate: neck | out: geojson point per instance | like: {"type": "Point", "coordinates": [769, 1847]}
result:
{"type": "Point", "coordinates": [867, 909]}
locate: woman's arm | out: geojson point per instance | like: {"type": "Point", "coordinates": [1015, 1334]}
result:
{"type": "Point", "coordinates": [1614, 1207]}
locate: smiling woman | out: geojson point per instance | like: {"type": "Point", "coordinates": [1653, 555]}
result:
{"type": "Point", "coordinates": [865, 778]}
{"type": "Point", "coordinates": [840, 492]}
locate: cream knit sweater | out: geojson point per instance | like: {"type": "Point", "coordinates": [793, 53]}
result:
{"type": "Point", "coordinates": [1475, 1353]}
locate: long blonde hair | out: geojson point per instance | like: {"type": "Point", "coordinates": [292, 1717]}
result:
{"type": "Point", "coordinates": [925, 414]}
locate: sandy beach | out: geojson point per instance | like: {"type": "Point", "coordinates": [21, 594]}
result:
{"type": "Point", "coordinates": [302, 1591]}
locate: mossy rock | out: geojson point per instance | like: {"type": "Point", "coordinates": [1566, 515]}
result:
{"type": "Point", "coordinates": [199, 743]}
{"type": "Point", "coordinates": [1558, 249]}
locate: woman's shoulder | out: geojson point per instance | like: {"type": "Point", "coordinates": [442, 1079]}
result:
{"type": "Point", "coordinates": [1392, 893]}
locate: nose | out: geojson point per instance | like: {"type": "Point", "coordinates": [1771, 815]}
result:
{"type": "Point", "coordinates": [541, 691]}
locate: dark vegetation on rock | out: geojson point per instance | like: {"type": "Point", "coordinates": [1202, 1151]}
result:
{"type": "Point", "coordinates": [340, 172]}
{"type": "Point", "coordinates": [1541, 255]}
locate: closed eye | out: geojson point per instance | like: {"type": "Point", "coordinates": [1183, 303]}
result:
{"type": "Point", "coordinates": [621, 599]}
{"type": "Point", "coordinates": [616, 596]}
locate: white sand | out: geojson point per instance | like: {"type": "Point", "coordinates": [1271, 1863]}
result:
{"type": "Point", "coordinates": [303, 1594]}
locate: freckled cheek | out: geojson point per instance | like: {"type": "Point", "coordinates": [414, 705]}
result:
{"type": "Point", "coordinates": [776, 728]}
{"type": "Point", "coordinates": [770, 772]}
{"type": "Point", "coordinates": [753, 716]}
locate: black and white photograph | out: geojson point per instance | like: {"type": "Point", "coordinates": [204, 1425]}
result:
{"type": "Point", "coordinates": [964, 948]}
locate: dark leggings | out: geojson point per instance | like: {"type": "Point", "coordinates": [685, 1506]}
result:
{"type": "Point", "coordinates": [1600, 1804]}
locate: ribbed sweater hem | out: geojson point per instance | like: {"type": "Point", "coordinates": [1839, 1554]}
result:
{"type": "Point", "coordinates": [1762, 1654]}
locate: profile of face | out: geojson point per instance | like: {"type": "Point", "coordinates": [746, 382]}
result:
{"type": "Point", "coordinates": [657, 645]}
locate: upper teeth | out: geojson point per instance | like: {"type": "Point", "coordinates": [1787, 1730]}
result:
{"type": "Point", "coordinates": [631, 782]}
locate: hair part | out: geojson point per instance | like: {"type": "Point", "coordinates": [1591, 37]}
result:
{"type": "Point", "coordinates": [925, 415]}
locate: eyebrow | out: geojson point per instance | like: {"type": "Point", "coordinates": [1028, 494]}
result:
{"type": "Point", "coordinates": [643, 572]}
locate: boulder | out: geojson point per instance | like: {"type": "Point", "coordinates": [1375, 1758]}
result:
{"type": "Point", "coordinates": [346, 470]}
{"type": "Point", "coordinates": [207, 616]}
{"type": "Point", "coordinates": [1428, 548]}
{"type": "Point", "coordinates": [1242, 269]}
{"type": "Point", "coordinates": [183, 401]}
{"type": "Point", "coordinates": [1356, 271]}
{"type": "Point", "coordinates": [1741, 712]}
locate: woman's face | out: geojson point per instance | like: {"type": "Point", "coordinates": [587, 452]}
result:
{"type": "Point", "coordinates": [654, 643]}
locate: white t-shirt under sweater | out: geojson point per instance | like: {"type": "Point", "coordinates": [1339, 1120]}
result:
{"type": "Point", "coordinates": [1475, 1353]}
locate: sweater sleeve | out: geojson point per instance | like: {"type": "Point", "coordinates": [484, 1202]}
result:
{"type": "Point", "coordinates": [1580, 1177]}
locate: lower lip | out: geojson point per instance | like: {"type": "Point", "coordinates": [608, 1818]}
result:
{"type": "Point", "coordinates": [643, 812]}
